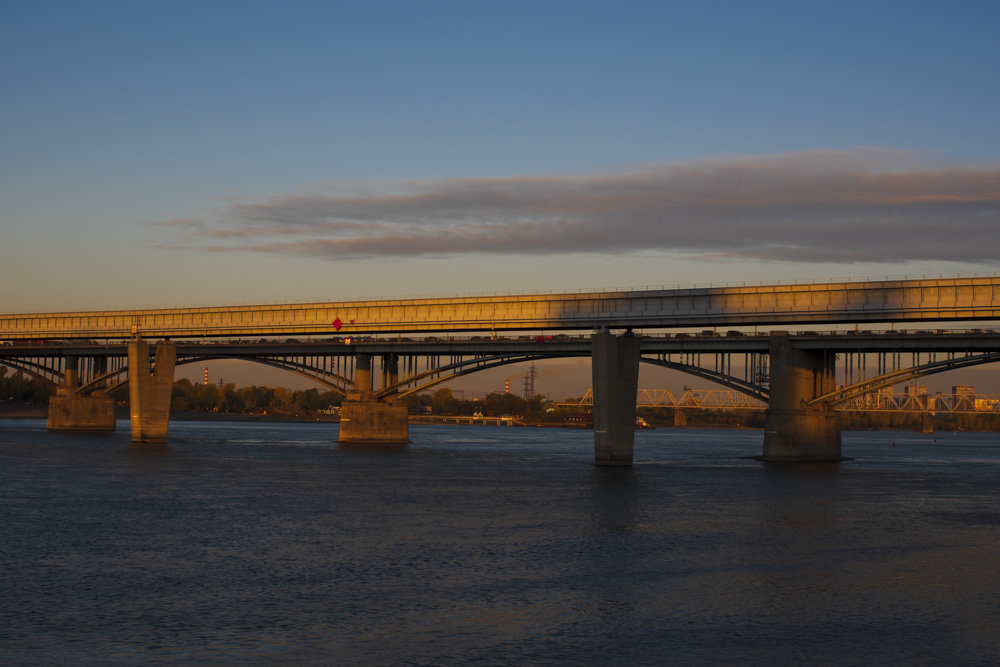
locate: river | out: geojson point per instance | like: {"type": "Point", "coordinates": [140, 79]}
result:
{"type": "Point", "coordinates": [263, 542]}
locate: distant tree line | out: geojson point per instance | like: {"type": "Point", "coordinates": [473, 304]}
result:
{"type": "Point", "coordinates": [856, 421]}
{"type": "Point", "coordinates": [913, 421]}
{"type": "Point", "coordinates": [191, 397]}
{"type": "Point", "coordinates": [21, 388]}
{"type": "Point", "coordinates": [444, 402]}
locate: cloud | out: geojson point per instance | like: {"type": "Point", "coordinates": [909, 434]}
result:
{"type": "Point", "coordinates": [813, 206]}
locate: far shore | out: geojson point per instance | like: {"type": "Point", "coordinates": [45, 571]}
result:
{"type": "Point", "coordinates": [40, 411]}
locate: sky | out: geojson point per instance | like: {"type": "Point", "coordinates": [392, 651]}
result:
{"type": "Point", "coordinates": [157, 154]}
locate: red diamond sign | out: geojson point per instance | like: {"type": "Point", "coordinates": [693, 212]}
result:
{"type": "Point", "coordinates": [337, 324]}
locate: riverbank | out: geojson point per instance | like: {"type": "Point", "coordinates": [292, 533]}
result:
{"type": "Point", "coordinates": [22, 411]}
{"type": "Point", "coordinates": [40, 411]}
{"type": "Point", "coordinates": [242, 417]}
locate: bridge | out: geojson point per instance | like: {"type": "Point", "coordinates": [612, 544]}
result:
{"type": "Point", "coordinates": [411, 345]}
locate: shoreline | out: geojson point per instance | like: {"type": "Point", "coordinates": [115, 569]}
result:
{"type": "Point", "coordinates": [41, 412]}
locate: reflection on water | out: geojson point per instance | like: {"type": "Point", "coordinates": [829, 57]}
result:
{"type": "Point", "coordinates": [267, 542]}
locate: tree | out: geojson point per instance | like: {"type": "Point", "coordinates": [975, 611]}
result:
{"type": "Point", "coordinates": [19, 387]}
{"type": "Point", "coordinates": [503, 404]}
{"type": "Point", "coordinates": [443, 402]}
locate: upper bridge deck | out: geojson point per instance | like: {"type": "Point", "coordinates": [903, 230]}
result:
{"type": "Point", "coordinates": [925, 300]}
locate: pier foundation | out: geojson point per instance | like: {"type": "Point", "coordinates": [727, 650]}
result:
{"type": "Point", "coordinates": [69, 411]}
{"type": "Point", "coordinates": [926, 423]}
{"type": "Point", "coordinates": [366, 421]}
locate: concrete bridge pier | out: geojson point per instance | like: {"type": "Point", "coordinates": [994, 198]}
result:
{"type": "Point", "coordinates": [926, 423]}
{"type": "Point", "coordinates": [70, 411]}
{"type": "Point", "coordinates": [615, 375]}
{"type": "Point", "coordinates": [793, 431]}
{"type": "Point", "coordinates": [366, 421]}
{"type": "Point", "coordinates": [150, 390]}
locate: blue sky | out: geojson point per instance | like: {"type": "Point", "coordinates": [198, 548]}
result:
{"type": "Point", "coordinates": [177, 153]}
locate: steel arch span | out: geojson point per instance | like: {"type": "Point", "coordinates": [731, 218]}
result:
{"type": "Point", "coordinates": [844, 394]}
{"type": "Point", "coordinates": [458, 369]}
{"type": "Point", "coordinates": [316, 374]}
{"type": "Point", "coordinates": [748, 387]}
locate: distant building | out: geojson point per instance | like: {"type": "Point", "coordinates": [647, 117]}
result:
{"type": "Point", "coordinates": [986, 405]}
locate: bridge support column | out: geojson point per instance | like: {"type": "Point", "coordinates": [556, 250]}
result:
{"type": "Point", "coordinates": [368, 422]}
{"type": "Point", "coordinates": [390, 370]}
{"type": "Point", "coordinates": [680, 418]}
{"type": "Point", "coordinates": [926, 423]}
{"type": "Point", "coordinates": [615, 375]}
{"type": "Point", "coordinates": [794, 431]}
{"type": "Point", "coordinates": [69, 411]}
{"type": "Point", "coordinates": [150, 390]}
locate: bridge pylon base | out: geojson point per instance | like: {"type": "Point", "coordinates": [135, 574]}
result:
{"type": "Point", "coordinates": [615, 375]}
{"type": "Point", "coordinates": [150, 390]}
{"type": "Point", "coordinates": [369, 423]}
{"type": "Point", "coordinates": [69, 412]}
{"type": "Point", "coordinates": [926, 424]}
{"type": "Point", "coordinates": [794, 431]}
{"type": "Point", "coordinates": [802, 435]}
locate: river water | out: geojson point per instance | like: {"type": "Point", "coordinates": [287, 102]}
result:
{"type": "Point", "coordinates": [262, 542]}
